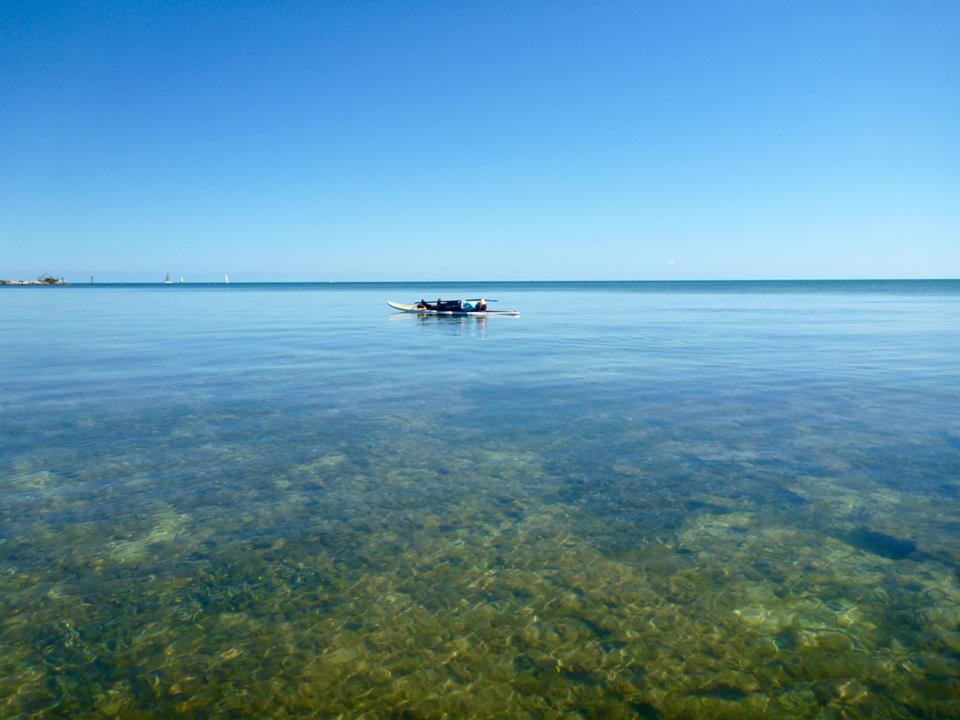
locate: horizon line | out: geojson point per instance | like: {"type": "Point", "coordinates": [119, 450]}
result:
{"type": "Point", "coordinates": [467, 282]}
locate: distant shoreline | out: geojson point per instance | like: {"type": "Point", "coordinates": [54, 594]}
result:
{"type": "Point", "coordinates": [43, 280]}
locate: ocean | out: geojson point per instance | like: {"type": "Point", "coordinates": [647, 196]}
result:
{"type": "Point", "coordinates": [654, 500]}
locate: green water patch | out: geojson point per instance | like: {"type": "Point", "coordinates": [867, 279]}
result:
{"type": "Point", "coordinates": [431, 574]}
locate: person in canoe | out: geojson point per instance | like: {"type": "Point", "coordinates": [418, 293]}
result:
{"type": "Point", "coordinates": [479, 305]}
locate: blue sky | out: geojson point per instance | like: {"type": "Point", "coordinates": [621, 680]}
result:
{"type": "Point", "coordinates": [495, 140]}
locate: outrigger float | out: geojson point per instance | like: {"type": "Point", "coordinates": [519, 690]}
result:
{"type": "Point", "coordinates": [471, 307]}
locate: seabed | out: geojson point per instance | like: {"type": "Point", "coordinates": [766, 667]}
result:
{"type": "Point", "coordinates": [416, 576]}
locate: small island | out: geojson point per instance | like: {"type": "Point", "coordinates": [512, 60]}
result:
{"type": "Point", "coordinates": [45, 279]}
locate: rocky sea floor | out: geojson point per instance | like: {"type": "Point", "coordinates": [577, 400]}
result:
{"type": "Point", "coordinates": [424, 575]}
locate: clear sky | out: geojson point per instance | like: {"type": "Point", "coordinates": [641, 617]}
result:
{"type": "Point", "coordinates": [488, 140]}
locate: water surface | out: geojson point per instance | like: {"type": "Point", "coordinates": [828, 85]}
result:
{"type": "Point", "coordinates": [659, 500]}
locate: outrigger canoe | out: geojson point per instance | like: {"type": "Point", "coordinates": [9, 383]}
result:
{"type": "Point", "coordinates": [460, 313]}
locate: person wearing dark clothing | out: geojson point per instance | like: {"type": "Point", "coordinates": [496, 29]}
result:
{"type": "Point", "coordinates": [477, 305]}
{"type": "Point", "coordinates": [442, 305]}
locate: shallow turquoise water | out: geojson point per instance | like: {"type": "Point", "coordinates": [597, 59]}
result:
{"type": "Point", "coordinates": [655, 500]}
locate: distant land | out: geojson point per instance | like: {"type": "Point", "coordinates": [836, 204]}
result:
{"type": "Point", "coordinates": [44, 279]}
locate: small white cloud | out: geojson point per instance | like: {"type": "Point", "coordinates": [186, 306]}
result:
{"type": "Point", "coordinates": [670, 262]}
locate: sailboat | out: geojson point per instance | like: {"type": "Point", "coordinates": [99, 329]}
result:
{"type": "Point", "coordinates": [226, 279]}
{"type": "Point", "coordinates": [167, 280]}
{"type": "Point", "coordinates": [181, 279]}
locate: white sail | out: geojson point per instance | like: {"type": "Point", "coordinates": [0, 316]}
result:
{"type": "Point", "coordinates": [167, 280]}
{"type": "Point", "coordinates": [226, 279]}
